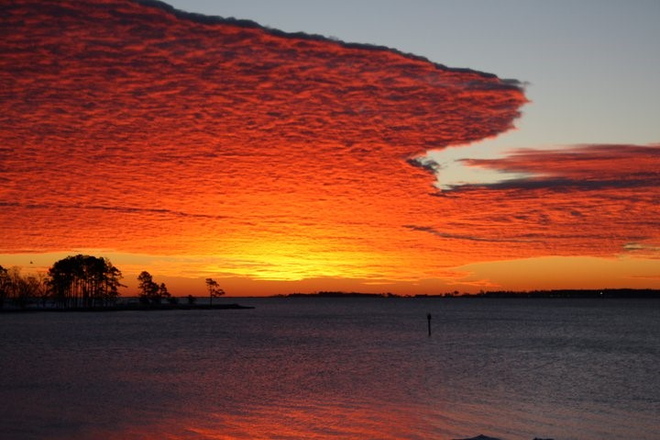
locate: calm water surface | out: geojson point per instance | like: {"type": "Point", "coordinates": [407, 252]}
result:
{"type": "Point", "coordinates": [315, 368]}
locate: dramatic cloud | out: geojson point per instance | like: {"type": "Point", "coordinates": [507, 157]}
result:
{"type": "Point", "coordinates": [595, 200]}
{"type": "Point", "coordinates": [131, 127]}
{"type": "Point", "coordinates": [583, 167]}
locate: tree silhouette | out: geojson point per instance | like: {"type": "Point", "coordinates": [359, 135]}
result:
{"type": "Point", "coordinates": [163, 292]}
{"type": "Point", "coordinates": [38, 288]}
{"type": "Point", "coordinates": [214, 290]}
{"type": "Point", "coordinates": [20, 289]}
{"type": "Point", "coordinates": [84, 281]}
{"type": "Point", "coordinates": [5, 285]}
{"type": "Point", "coordinates": [149, 289]}
{"type": "Point", "coordinates": [112, 284]}
{"type": "Point", "coordinates": [152, 292]}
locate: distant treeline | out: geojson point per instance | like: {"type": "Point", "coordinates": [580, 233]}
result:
{"type": "Point", "coordinates": [560, 293]}
{"type": "Point", "coordinates": [84, 282]}
{"type": "Point", "coordinates": [326, 294]}
{"type": "Point", "coordinates": [74, 282]}
{"type": "Point", "coordinates": [574, 293]}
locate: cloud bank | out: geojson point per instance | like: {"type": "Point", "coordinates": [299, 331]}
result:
{"type": "Point", "coordinates": [133, 127]}
{"type": "Point", "coordinates": [588, 200]}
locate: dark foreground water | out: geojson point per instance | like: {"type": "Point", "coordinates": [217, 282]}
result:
{"type": "Point", "coordinates": [337, 369]}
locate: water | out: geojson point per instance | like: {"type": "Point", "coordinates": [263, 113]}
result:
{"type": "Point", "coordinates": [311, 368]}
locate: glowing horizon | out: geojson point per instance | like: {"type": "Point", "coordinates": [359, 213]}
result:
{"type": "Point", "coordinates": [194, 146]}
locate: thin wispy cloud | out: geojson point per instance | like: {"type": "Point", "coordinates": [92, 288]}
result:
{"type": "Point", "coordinates": [585, 200]}
{"type": "Point", "coordinates": [580, 167]}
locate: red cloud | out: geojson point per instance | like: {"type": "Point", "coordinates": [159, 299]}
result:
{"type": "Point", "coordinates": [595, 200]}
{"type": "Point", "coordinates": [129, 127]}
{"type": "Point", "coordinates": [596, 165]}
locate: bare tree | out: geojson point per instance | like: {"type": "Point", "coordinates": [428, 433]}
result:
{"type": "Point", "coordinates": [39, 290]}
{"type": "Point", "coordinates": [20, 288]}
{"type": "Point", "coordinates": [214, 290]}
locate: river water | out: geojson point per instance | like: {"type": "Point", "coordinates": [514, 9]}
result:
{"type": "Point", "coordinates": [315, 368]}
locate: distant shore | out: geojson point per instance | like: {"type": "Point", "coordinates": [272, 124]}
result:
{"type": "Point", "coordinates": [557, 293]}
{"type": "Point", "coordinates": [128, 308]}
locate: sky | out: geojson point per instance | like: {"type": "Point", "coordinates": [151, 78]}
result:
{"type": "Point", "coordinates": [278, 163]}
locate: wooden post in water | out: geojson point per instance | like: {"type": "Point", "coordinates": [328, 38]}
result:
{"type": "Point", "coordinates": [428, 318]}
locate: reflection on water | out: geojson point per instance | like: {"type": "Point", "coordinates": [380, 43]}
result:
{"type": "Point", "coordinates": [330, 368]}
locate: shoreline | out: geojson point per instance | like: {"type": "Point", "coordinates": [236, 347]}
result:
{"type": "Point", "coordinates": [130, 308]}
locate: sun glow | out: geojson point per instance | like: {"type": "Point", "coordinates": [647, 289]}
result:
{"type": "Point", "coordinates": [212, 146]}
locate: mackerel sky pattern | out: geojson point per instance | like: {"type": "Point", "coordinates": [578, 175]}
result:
{"type": "Point", "coordinates": [130, 127]}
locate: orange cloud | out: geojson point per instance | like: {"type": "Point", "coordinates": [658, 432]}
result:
{"type": "Point", "coordinates": [595, 200]}
{"type": "Point", "coordinates": [227, 148]}
{"type": "Point", "coordinates": [132, 127]}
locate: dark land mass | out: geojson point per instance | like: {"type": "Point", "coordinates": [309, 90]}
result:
{"type": "Point", "coordinates": [338, 295]}
{"type": "Point", "coordinates": [561, 293]}
{"type": "Point", "coordinates": [129, 307]}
